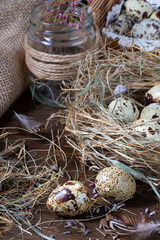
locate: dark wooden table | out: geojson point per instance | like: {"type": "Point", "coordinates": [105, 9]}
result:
{"type": "Point", "coordinates": [54, 225]}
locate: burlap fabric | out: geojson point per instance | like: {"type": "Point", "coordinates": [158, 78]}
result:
{"type": "Point", "coordinates": [14, 20]}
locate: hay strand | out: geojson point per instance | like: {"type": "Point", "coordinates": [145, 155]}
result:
{"type": "Point", "coordinates": [93, 132]}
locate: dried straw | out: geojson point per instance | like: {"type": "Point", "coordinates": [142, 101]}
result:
{"type": "Point", "coordinates": [99, 139]}
{"type": "Point", "coordinates": [28, 175]}
{"type": "Point", "coordinates": [27, 178]}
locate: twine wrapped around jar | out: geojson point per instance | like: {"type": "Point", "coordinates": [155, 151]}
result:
{"type": "Point", "coordinates": [53, 66]}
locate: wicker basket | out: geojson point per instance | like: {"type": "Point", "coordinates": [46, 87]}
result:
{"type": "Point", "coordinates": [100, 10]}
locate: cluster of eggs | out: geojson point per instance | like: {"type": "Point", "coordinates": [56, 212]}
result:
{"type": "Point", "coordinates": [126, 111]}
{"type": "Point", "coordinates": [72, 198]}
{"type": "Point", "coordinates": [145, 127]}
{"type": "Point", "coordinates": [112, 183]}
{"type": "Point", "coordinates": [138, 17]}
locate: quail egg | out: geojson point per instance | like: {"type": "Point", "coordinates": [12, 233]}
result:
{"type": "Point", "coordinates": [146, 129]}
{"type": "Point", "coordinates": [123, 24]}
{"type": "Point", "coordinates": [138, 8]}
{"type": "Point", "coordinates": [123, 110]}
{"type": "Point", "coordinates": [156, 15]}
{"type": "Point", "coordinates": [148, 29]}
{"type": "Point", "coordinates": [69, 200]}
{"type": "Point", "coordinates": [123, 9]}
{"type": "Point", "coordinates": [115, 184]}
{"type": "Point", "coordinates": [153, 95]}
{"type": "Point", "coordinates": [151, 111]}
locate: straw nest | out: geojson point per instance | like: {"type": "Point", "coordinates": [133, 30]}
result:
{"type": "Point", "coordinates": [93, 132]}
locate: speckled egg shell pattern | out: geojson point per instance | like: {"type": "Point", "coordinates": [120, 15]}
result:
{"type": "Point", "coordinates": [153, 95]}
{"type": "Point", "coordinates": [147, 29]}
{"type": "Point", "coordinates": [123, 24]}
{"type": "Point", "coordinates": [115, 184]}
{"type": "Point", "coordinates": [138, 8]}
{"type": "Point", "coordinates": [156, 15]}
{"type": "Point", "coordinates": [123, 110]}
{"type": "Point", "coordinates": [148, 130]}
{"type": "Point", "coordinates": [152, 111]}
{"type": "Point", "coordinates": [70, 199]}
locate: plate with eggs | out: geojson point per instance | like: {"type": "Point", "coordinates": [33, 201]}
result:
{"type": "Point", "coordinates": [135, 22]}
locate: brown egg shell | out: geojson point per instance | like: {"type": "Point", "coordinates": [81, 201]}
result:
{"type": "Point", "coordinates": [115, 184]}
{"type": "Point", "coordinates": [69, 200]}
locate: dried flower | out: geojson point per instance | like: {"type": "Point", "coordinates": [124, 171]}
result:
{"type": "Point", "coordinates": [91, 185]}
{"type": "Point", "coordinates": [60, 15]}
{"type": "Point", "coordinates": [72, 12]}
{"type": "Point", "coordinates": [70, 25]}
{"type": "Point", "coordinates": [78, 27]}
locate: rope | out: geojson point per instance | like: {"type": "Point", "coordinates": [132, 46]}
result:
{"type": "Point", "coordinates": [53, 66]}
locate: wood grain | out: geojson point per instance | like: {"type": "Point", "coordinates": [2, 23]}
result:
{"type": "Point", "coordinates": [144, 198]}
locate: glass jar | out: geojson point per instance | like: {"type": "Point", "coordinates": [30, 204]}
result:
{"type": "Point", "coordinates": [52, 49]}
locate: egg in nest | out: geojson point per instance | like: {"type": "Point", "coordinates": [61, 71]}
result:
{"type": "Point", "coordinates": [115, 184]}
{"type": "Point", "coordinates": [69, 200]}
{"type": "Point", "coordinates": [147, 129]}
{"type": "Point", "coordinates": [153, 94]}
{"type": "Point", "coordinates": [123, 110]}
{"type": "Point", "coordinates": [152, 111]}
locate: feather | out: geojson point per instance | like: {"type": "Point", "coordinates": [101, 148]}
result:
{"type": "Point", "coordinates": [120, 89]}
{"type": "Point", "coordinates": [145, 230]}
{"type": "Point", "coordinates": [28, 122]}
{"type": "Point", "coordinates": [130, 227]}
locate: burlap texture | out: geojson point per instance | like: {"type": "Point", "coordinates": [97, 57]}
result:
{"type": "Point", "coordinates": [14, 21]}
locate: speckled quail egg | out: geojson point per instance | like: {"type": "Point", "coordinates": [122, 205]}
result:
{"type": "Point", "coordinates": [115, 184]}
{"type": "Point", "coordinates": [151, 111]}
{"type": "Point", "coordinates": [156, 15]}
{"type": "Point", "coordinates": [146, 129]}
{"type": "Point", "coordinates": [153, 94]}
{"type": "Point", "coordinates": [148, 29]}
{"type": "Point", "coordinates": [123, 24]}
{"type": "Point", "coordinates": [123, 110]}
{"type": "Point", "coordinates": [123, 10]}
{"type": "Point", "coordinates": [138, 8]}
{"type": "Point", "coordinates": [69, 200]}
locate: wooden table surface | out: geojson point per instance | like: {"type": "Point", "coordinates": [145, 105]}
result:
{"type": "Point", "coordinates": [54, 225]}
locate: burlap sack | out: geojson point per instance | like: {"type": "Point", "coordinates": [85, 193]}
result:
{"type": "Point", "coordinates": [14, 20]}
